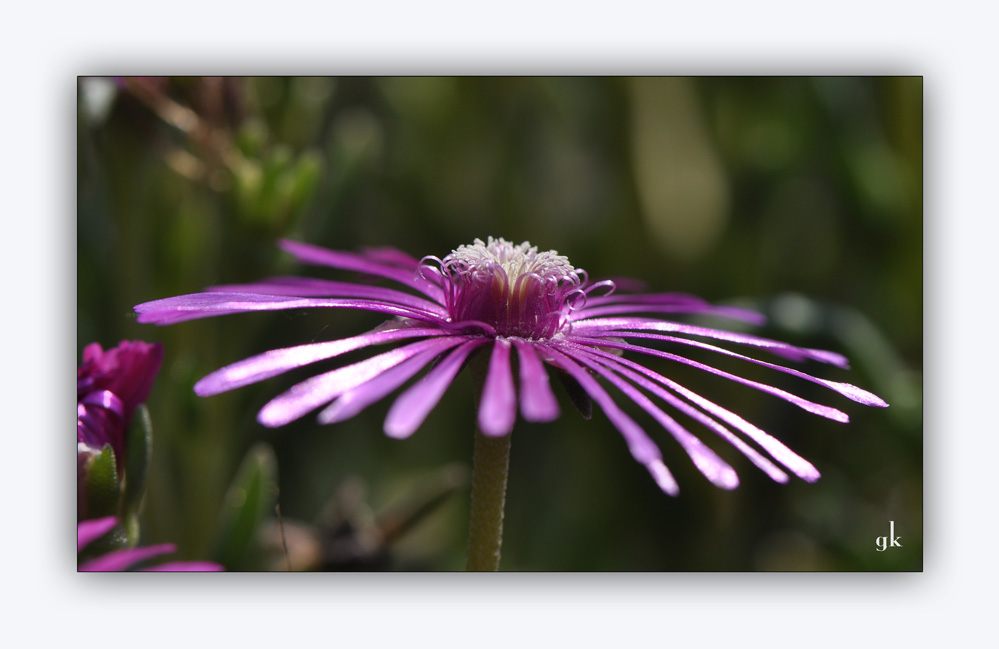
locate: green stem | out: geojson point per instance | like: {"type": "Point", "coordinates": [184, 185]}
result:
{"type": "Point", "coordinates": [490, 465]}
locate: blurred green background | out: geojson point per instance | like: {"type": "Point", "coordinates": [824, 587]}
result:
{"type": "Point", "coordinates": [800, 197]}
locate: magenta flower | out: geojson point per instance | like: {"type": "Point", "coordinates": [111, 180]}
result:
{"type": "Point", "coordinates": [109, 386]}
{"type": "Point", "coordinates": [89, 531]}
{"type": "Point", "coordinates": [500, 298]}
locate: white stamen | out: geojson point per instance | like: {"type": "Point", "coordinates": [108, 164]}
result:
{"type": "Point", "coordinates": [515, 260]}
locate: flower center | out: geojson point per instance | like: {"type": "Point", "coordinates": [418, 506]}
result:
{"type": "Point", "coordinates": [516, 290]}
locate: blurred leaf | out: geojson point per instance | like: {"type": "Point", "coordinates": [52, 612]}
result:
{"type": "Point", "coordinates": [103, 489]}
{"type": "Point", "coordinates": [140, 451]}
{"type": "Point", "coordinates": [250, 499]}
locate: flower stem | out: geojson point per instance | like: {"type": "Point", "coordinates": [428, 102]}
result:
{"type": "Point", "coordinates": [490, 465]}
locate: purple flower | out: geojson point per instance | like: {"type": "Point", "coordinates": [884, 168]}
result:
{"type": "Point", "coordinates": [89, 531]}
{"type": "Point", "coordinates": [109, 386]}
{"type": "Point", "coordinates": [501, 299]}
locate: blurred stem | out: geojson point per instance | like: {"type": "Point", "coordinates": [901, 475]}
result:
{"type": "Point", "coordinates": [490, 465]}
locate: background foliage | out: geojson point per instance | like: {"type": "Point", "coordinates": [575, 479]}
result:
{"type": "Point", "coordinates": [800, 197]}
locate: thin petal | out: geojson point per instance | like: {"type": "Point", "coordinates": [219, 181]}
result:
{"type": "Point", "coordinates": [312, 287]}
{"type": "Point", "coordinates": [369, 265]}
{"type": "Point", "coordinates": [622, 365]}
{"type": "Point", "coordinates": [203, 305]}
{"type": "Point", "coordinates": [394, 256]}
{"type": "Point", "coordinates": [734, 313]}
{"type": "Point", "coordinates": [715, 469]}
{"type": "Point", "coordinates": [412, 406]}
{"type": "Point", "coordinates": [663, 477]}
{"type": "Point", "coordinates": [851, 392]}
{"type": "Point", "coordinates": [319, 390]}
{"type": "Point", "coordinates": [615, 326]}
{"type": "Point", "coordinates": [810, 406]}
{"type": "Point", "coordinates": [797, 464]}
{"type": "Point", "coordinates": [537, 401]}
{"type": "Point", "coordinates": [277, 361]}
{"type": "Point", "coordinates": [682, 302]}
{"type": "Point", "coordinates": [186, 566]}
{"type": "Point", "coordinates": [122, 559]}
{"type": "Point", "coordinates": [498, 404]}
{"type": "Point", "coordinates": [641, 446]}
{"type": "Point", "coordinates": [357, 399]}
{"type": "Point", "coordinates": [89, 531]}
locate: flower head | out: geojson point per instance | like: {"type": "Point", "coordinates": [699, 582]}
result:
{"type": "Point", "coordinates": [498, 298]}
{"type": "Point", "coordinates": [109, 386]}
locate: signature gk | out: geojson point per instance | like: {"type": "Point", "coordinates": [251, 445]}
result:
{"type": "Point", "coordinates": [890, 541]}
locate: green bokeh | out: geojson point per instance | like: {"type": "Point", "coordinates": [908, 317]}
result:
{"type": "Point", "coordinates": [800, 197]}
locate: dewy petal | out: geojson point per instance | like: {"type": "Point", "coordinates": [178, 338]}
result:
{"type": "Point", "coordinates": [357, 399]}
{"type": "Point", "coordinates": [312, 287]}
{"type": "Point", "coordinates": [122, 559]}
{"type": "Point", "coordinates": [203, 305]}
{"type": "Point", "coordinates": [797, 464]}
{"type": "Point", "coordinates": [537, 401]}
{"type": "Point", "coordinates": [622, 365]}
{"type": "Point", "coordinates": [393, 256]}
{"type": "Point", "coordinates": [851, 392]}
{"type": "Point", "coordinates": [412, 406]}
{"type": "Point", "coordinates": [734, 313]}
{"type": "Point", "coordinates": [641, 446]}
{"type": "Point", "coordinates": [370, 265]}
{"type": "Point", "coordinates": [319, 390]}
{"type": "Point", "coordinates": [498, 403]}
{"type": "Point", "coordinates": [89, 531]}
{"type": "Point", "coordinates": [715, 469]}
{"type": "Point", "coordinates": [615, 326]}
{"type": "Point", "coordinates": [277, 361]}
{"type": "Point", "coordinates": [809, 406]}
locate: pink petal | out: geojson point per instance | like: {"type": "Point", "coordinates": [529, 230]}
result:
{"type": "Point", "coordinates": [369, 265]}
{"type": "Point", "coordinates": [89, 531]}
{"type": "Point", "coordinates": [621, 366]}
{"type": "Point", "coordinates": [312, 287]}
{"type": "Point", "coordinates": [537, 401]}
{"type": "Point", "coordinates": [498, 403]}
{"type": "Point", "coordinates": [203, 305]}
{"type": "Point", "coordinates": [277, 361]}
{"type": "Point", "coordinates": [357, 399]}
{"type": "Point", "coordinates": [615, 327]}
{"type": "Point", "coordinates": [413, 405]}
{"type": "Point", "coordinates": [805, 404]}
{"type": "Point", "coordinates": [851, 392]}
{"type": "Point", "coordinates": [122, 559]}
{"type": "Point", "coordinates": [734, 313]}
{"type": "Point", "coordinates": [641, 446]}
{"type": "Point", "coordinates": [798, 465]}
{"type": "Point", "coordinates": [186, 566]}
{"type": "Point", "coordinates": [715, 469]}
{"type": "Point", "coordinates": [319, 390]}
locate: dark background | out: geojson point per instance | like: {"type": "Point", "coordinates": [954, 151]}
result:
{"type": "Point", "coordinates": [799, 197]}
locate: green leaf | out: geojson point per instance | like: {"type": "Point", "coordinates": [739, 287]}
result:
{"type": "Point", "coordinates": [139, 443]}
{"type": "Point", "coordinates": [103, 489]}
{"type": "Point", "coordinates": [250, 499]}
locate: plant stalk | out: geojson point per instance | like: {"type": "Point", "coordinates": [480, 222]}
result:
{"type": "Point", "coordinates": [490, 466]}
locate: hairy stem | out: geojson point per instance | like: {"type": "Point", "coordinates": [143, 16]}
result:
{"type": "Point", "coordinates": [490, 465]}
